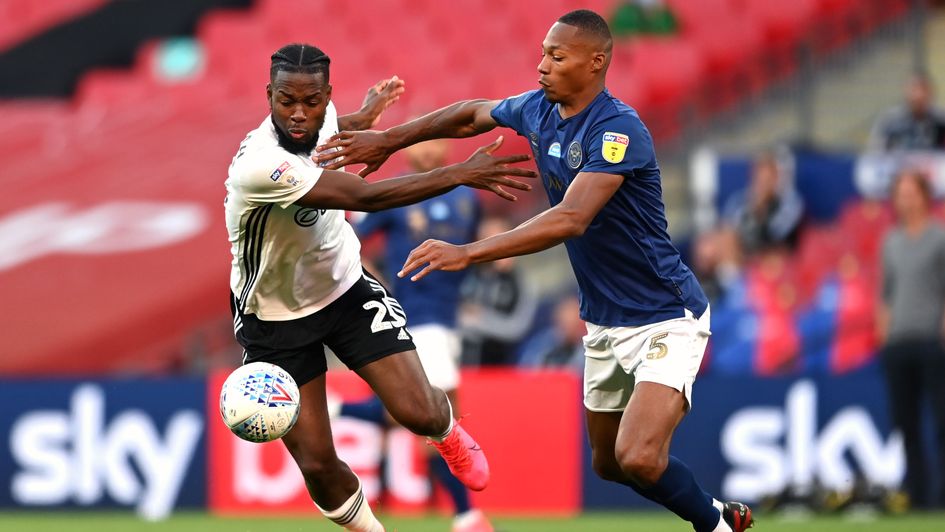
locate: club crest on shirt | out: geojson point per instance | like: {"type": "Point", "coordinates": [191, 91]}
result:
{"type": "Point", "coordinates": [555, 149]}
{"type": "Point", "coordinates": [277, 173]}
{"type": "Point", "coordinates": [575, 155]}
{"type": "Point", "coordinates": [614, 148]}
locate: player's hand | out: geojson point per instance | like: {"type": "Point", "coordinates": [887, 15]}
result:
{"type": "Point", "coordinates": [436, 255]}
{"type": "Point", "coordinates": [381, 96]}
{"type": "Point", "coordinates": [486, 172]}
{"type": "Point", "coordinates": [354, 147]}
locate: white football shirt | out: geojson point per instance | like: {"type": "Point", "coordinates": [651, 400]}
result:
{"type": "Point", "coordinates": [288, 261]}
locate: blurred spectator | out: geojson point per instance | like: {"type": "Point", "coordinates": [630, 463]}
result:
{"type": "Point", "coordinates": [634, 17]}
{"type": "Point", "coordinates": [498, 305]}
{"type": "Point", "coordinates": [915, 124]}
{"type": "Point", "coordinates": [911, 325]}
{"type": "Point", "coordinates": [431, 305]}
{"type": "Point", "coordinates": [766, 215]}
{"type": "Point", "coordinates": [561, 342]}
{"type": "Point", "coordinates": [717, 262]}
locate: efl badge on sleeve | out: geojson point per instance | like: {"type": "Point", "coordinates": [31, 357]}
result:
{"type": "Point", "coordinates": [615, 147]}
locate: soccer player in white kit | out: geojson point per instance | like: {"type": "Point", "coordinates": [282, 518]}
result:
{"type": "Point", "coordinates": [297, 282]}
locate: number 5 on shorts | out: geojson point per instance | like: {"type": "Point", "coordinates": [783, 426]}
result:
{"type": "Point", "coordinates": [660, 348]}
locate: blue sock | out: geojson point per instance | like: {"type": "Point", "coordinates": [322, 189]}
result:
{"type": "Point", "coordinates": [679, 492]}
{"type": "Point", "coordinates": [453, 486]}
{"type": "Point", "coordinates": [371, 410]}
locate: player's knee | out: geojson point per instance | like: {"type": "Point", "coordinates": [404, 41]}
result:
{"type": "Point", "coordinates": [607, 468]}
{"type": "Point", "coordinates": [426, 415]}
{"type": "Point", "coordinates": [644, 465]}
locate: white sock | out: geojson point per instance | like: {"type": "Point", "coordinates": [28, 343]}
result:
{"type": "Point", "coordinates": [441, 437]}
{"type": "Point", "coordinates": [355, 514]}
{"type": "Point", "coordinates": [722, 526]}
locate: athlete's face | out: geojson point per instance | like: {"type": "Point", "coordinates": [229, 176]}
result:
{"type": "Point", "coordinates": [298, 102]}
{"type": "Point", "coordinates": [569, 63]}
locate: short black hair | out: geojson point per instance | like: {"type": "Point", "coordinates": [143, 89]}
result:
{"type": "Point", "coordinates": [589, 22]}
{"type": "Point", "coordinates": [299, 58]}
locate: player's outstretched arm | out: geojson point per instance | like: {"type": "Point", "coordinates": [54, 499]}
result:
{"type": "Point", "coordinates": [372, 148]}
{"type": "Point", "coordinates": [586, 196]}
{"type": "Point", "coordinates": [379, 97]}
{"type": "Point", "coordinates": [341, 190]}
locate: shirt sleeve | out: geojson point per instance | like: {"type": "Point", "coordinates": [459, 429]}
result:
{"type": "Point", "coordinates": [278, 178]}
{"type": "Point", "coordinates": [620, 145]}
{"type": "Point", "coordinates": [510, 111]}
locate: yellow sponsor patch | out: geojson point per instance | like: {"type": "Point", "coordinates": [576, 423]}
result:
{"type": "Point", "coordinates": [614, 148]}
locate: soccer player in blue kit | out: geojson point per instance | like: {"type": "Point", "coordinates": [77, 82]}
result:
{"type": "Point", "coordinates": [432, 305]}
{"type": "Point", "coordinates": [647, 317]}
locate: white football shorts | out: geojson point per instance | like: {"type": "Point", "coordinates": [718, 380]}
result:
{"type": "Point", "coordinates": [667, 352]}
{"type": "Point", "coordinates": [439, 350]}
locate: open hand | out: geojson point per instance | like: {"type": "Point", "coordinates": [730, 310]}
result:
{"type": "Point", "coordinates": [381, 96]}
{"type": "Point", "coordinates": [354, 147]}
{"type": "Point", "coordinates": [486, 172]}
{"type": "Point", "coordinates": [437, 255]}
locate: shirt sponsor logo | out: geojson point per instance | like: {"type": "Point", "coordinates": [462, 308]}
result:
{"type": "Point", "coordinates": [575, 155]}
{"type": "Point", "coordinates": [614, 148]}
{"type": "Point", "coordinates": [555, 150]}
{"type": "Point", "coordinates": [307, 217]}
{"type": "Point", "coordinates": [277, 173]}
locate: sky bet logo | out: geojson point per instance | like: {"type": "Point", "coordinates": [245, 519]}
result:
{"type": "Point", "coordinates": [88, 452]}
{"type": "Point", "coordinates": [277, 173]}
{"type": "Point", "coordinates": [771, 447]}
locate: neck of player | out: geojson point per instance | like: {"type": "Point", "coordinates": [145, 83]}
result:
{"type": "Point", "coordinates": [577, 103]}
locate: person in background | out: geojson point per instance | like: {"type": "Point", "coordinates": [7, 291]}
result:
{"type": "Point", "coordinates": [768, 214]}
{"type": "Point", "coordinates": [431, 306]}
{"type": "Point", "coordinates": [561, 343]}
{"type": "Point", "coordinates": [498, 305]}
{"type": "Point", "coordinates": [716, 261]}
{"type": "Point", "coordinates": [638, 17]}
{"type": "Point", "coordinates": [915, 124]}
{"type": "Point", "coordinates": [911, 325]}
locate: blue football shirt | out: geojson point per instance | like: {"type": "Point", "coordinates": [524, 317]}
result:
{"type": "Point", "coordinates": [452, 217]}
{"type": "Point", "coordinates": [627, 269]}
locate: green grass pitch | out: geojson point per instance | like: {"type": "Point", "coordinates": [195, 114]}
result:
{"type": "Point", "coordinates": [593, 522]}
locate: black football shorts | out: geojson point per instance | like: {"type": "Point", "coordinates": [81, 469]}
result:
{"type": "Point", "coordinates": [363, 325]}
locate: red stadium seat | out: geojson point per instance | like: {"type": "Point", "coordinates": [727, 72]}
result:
{"type": "Point", "coordinates": [784, 25]}
{"type": "Point", "coordinates": [128, 135]}
{"type": "Point", "coordinates": [863, 225]}
{"type": "Point", "coordinates": [670, 73]}
{"type": "Point", "coordinates": [21, 19]}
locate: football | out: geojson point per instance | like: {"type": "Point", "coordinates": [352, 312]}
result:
{"type": "Point", "coordinates": [259, 402]}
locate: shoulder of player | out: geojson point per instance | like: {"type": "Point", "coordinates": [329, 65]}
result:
{"type": "Point", "coordinates": [264, 162]}
{"type": "Point", "coordinates": [529, 99]}
{"type": "Point", "coordinates": [620, 122]}
{"type": "Point", "coordinates": [614, 110]}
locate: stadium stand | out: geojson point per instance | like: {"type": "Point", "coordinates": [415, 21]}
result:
{"type": "Point", "coordinates": [21, 19]}
{"type": "Point", "coordinates": [131, 141]}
